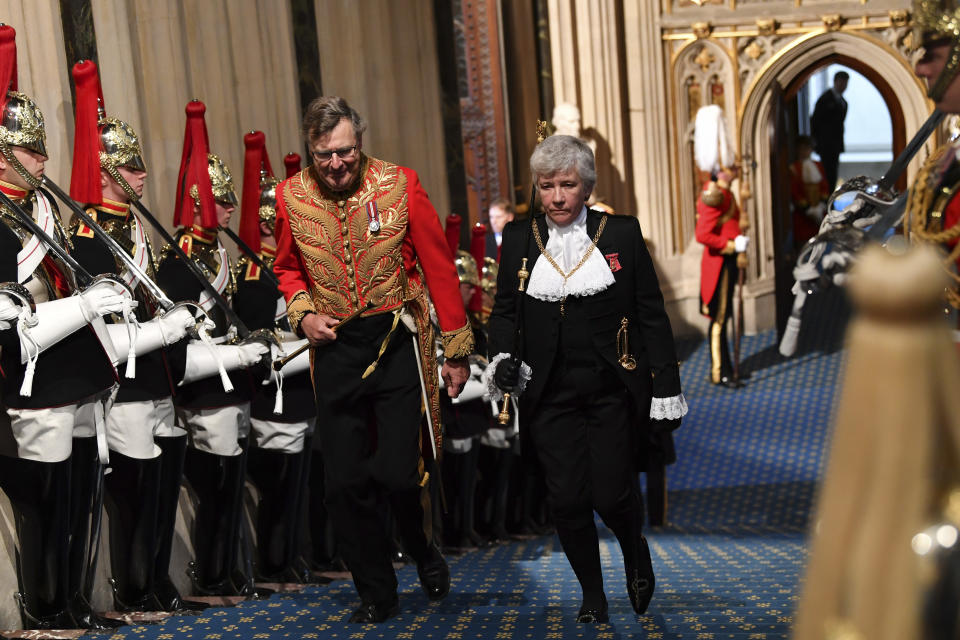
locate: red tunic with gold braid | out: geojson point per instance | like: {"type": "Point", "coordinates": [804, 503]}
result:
{"type": "Point", "coordinates": [718, 223]}
{"type": "Point", "coordinates": [330, 261]}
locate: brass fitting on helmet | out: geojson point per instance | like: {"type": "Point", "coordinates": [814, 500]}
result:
{"type": "Point", "coordinates": [21, 125]}
{"type": "Point", "coordinates": [120, 147]}
{"type": "Point", "coordinates": [467, 268]}
{"type": "Point", "coordinates": [935, 23]}
{"type": "Point", "coordinates": [221, 182]}
{"type": "Point", "coordinates": [268, 198]}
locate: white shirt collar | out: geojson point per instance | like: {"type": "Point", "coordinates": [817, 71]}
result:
{"type": "Point", "coordinates": [567, 246]}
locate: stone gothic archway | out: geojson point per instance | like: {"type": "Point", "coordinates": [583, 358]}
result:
{"type": "Point", "coordinates": [785, 68]}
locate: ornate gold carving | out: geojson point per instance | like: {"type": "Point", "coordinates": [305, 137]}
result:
{"type": "Point", "coordinates": [899, 17]}
{"type": "Point", "coordinates": [832, 21]}
{"type": "Point", "coordinates": [704, 59]}
{"type": "Point", "coordinates": [346, 264]}
{"type": "Point", "coordinates": [701, 29]}
{"type": "Point", "coordinates": [767, 26]}
{"type": "Point", "coordinates": [754, 50]}
{"type": "Point", "coordinates": [458, 343]}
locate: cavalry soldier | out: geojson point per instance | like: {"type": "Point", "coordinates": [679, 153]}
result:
{"type": "Point", "coordinates": [356, 234]}
{"type": "Point", "coordinates": [57, 380]}
{"type": "Point", "coordinates": [216, 410]}
{"type": "Point", "coordinates": [146, 445]}
{"type": "Point", "coordinates": [720, 231]}
{"type": "Point", "coordinates": [282, 415]}
{"type": "Point", "coordinates": [932, 213]}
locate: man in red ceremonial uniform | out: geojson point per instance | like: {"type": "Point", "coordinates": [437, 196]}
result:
{"type": "Point", "coordinates": [354, 233]}
{"type": "Point", "coordinates": [720, 231]}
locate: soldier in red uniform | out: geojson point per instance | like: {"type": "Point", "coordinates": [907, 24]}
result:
{"type": "Point", "coordinates": [354, 234]}
{"type": "Point", "coordinates": [720, 231]}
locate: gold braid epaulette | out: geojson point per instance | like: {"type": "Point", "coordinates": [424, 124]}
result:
{"type": "Point", "coordinates": [921, 202]}
{"type": "Point", "coordinates": [300, 305]}
{"type": "Point", "coordinates": [457, 343]}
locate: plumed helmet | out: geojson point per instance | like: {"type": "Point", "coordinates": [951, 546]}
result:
{"type": "Point", "coordinates": [937, 22]}
{"type": "Point", "coordinates": [22, 123]}
{"type": "Point", "coordinates": [119, 145]}
{"type": "Point", "coordinates": [220, 180]}
{"type": "Point", "coordinates": [268, 198]}
{"type": "Point", "coordinates": [488, 277]}
{"type": "Point", "coordinates": [467, 268]}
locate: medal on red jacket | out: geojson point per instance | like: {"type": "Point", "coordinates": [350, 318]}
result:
{"type": "Point", "coordinates": [373, 217]}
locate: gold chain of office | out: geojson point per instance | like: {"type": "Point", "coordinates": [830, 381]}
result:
{"type": "Point", "coordinates": [583, 260]}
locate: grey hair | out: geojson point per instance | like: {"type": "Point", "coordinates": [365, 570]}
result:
{"type": "Point", "coordinates": [562, 153]}
{"type": "Point", "coordinates": [323, 114]}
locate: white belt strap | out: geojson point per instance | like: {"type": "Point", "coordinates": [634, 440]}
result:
{"type": "Point", "coordinates": [34, 250]}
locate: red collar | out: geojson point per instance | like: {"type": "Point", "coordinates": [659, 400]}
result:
{"type": "Point", "coordinates": [13, 191]}
{"type": "Point", "coordinates": [115, 208]}
{"type": "Point", "coordinates": [268, 251]}
{"type": "Point", "coordinates": [206, 236]}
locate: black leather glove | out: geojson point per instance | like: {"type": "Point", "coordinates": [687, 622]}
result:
{"type": "Point", "coordinates": [507, 375]}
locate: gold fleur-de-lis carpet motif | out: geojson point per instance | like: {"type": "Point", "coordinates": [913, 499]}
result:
{"type": "Point", "coordinates": [728, 564]}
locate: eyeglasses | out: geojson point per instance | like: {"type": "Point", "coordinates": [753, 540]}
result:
{"type": "Point", "coordinates": [346, 153]}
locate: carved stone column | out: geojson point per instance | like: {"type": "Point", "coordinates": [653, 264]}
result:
{"type": "Point", "coordinates": [587, 49]}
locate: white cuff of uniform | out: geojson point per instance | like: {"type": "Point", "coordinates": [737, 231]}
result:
{"type": "Point", "coordinates": [672, 408]}
{"type": "Point", "coordinates": [494, 392]}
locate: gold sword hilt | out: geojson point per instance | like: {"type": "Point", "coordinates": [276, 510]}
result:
{"type": "Point", "coordinates": [278, 363]}
{"type": "Point", "coordinates": [504, 416]}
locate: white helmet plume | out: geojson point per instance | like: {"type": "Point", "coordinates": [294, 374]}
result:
{"type": "Point", "coordinates": [711, 143]}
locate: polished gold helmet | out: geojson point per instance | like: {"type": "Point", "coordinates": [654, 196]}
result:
{"type": "Point", "coordinates": [467, 268]}
{"type": "Point", "coordinates": [21, 125]}
{"type": "Point", "coordinates": [488, 277]}
{"type": "Point", "coordinates": [221, 182]}
{"type": "Point", "coordinates": [268, 198]}
{"type": "Point", "coordinates": [936, 23]}
{"type": "Point", "coordinates": [120, 147]}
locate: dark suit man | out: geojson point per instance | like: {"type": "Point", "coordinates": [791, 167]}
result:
{"type": "Point", "coordinates": [501, 212]}
{"type": "Point", "coordinates": [598, 354]}
{"type": "Point", "coordinates": [826, 125]}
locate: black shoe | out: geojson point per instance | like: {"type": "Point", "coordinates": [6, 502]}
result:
{"type": "Point", "coordinates": [171, 600]}
{"type": "Point", "coordinates": [640, 579]}
{"type": "Point", "coordinates": [593, 615]}
{"type": "Point", "coordinates": [84, 617]}
{"type": "Point", "coordinates": [730, 383]}
{"type": "Point", "coordinates": [371, 612]}
{"type": "Point", "coordinates": [434, 575]}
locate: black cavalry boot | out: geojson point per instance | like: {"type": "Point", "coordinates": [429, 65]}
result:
{"type": "Point", "coordinates": [133, 492]}
{"type": "Point", "coordinates": [86, 504]}
{"type": "Point", "coordinates": [39, 494]}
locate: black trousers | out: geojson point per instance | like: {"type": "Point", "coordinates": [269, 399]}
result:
{"type": "Point", "coordinates": [369, 432]}
{"type": "Point", "coordinates": [831, 167]}
{"type": "Point", "coordinates": [584, 433]}
{"type": "Point", "coordinates": [720, 309]}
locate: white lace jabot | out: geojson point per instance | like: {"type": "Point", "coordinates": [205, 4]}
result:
{"type": "Point", "coordinates": [566, 245]}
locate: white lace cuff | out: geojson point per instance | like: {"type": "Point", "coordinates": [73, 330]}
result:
{"type": "Point", "coordinates": [494, 392]}
{"type": "Point", "coordinates": [672, 408]}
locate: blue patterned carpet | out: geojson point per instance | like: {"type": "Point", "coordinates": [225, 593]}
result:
{"type": "Point", "coordinates": [728, 565]}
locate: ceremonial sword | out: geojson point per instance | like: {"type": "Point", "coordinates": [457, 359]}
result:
{"type": "Point", "coordinates": [27, 220]}
{"type": "Point", "coordinates": [257, 260]}
{"type": "Point", "coordinates": [115, 248]}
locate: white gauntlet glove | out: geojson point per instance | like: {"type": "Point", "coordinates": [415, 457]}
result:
{"type": "Point", "coordinates": [9, 312]}
{"type": "Point", "coordinates": [204, 360]}
{"type": "Point", "coordinates": [151, 335]}
{"type": "Point", "coordinates": [105, 297]}
{"type": "Point", "coordinates": [740, 243]}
